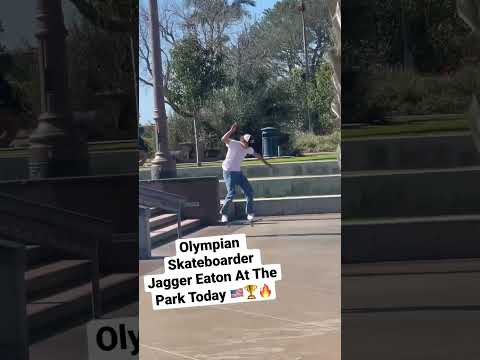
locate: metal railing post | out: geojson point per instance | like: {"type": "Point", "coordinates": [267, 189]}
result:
{"type": "Point", "coordinates": [96, 296]}
{"type": "Point", "coordinates": [179, 221]}
{"type": "Point", "coordinates": [145, 243]}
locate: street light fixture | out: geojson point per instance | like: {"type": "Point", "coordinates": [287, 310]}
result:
{"type": "Point", "coordinates": [163, 165]}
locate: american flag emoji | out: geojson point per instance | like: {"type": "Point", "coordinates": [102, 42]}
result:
{"type": "Point", "coordinates": [236, 293]}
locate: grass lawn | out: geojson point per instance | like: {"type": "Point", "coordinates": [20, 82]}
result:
{"type": "Point", "coordinates": [247, 162]}
{"type": "Point", "coordinates": [412, 128]}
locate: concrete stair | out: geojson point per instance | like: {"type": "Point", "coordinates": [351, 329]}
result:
{"type": "Point", "coordinates": [291, 205]}
{"type": "Point", "coordinates": [304, 187]}
{"type": "Point", "coordinates": [58, 291]}
{"type": "Point", "coordinates": [410, 198]}
{"type": "Point", "coordinates": [417, 192]}
{"type": "Point", "coordinates": [163, 227]}
{"type": "Point", "coordinates": [290, 186]}
{"type": "Point", "coordinates": [305, 168]}
{"type": "Point", "coordinates": [447, 150]}
{"type": "Point", "coordinates": [71, 306]}
{"type": "Point", "coordinates": [410, 238]}
{"type": "Point", "coordinates": [296, 188]}
{"type": "Point", "coordinates": [53, 275]}
{"type": "Point", "coordinates": [37, 255]}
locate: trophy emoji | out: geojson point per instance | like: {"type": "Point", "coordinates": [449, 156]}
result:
{"type": "Point", "coordinates": [251, 289]}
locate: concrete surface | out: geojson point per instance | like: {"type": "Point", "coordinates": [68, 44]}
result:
{"type": "Point", "coordinates": [410, 238]}
{"type": "Point", "coordinates": [410, 151]}
{"type": "Point", "coordinates": [303, 323]}
{"type": "Point", "coordinates": [289, 205]}
{"type": "Point", "coordinates": [72, 344]}
{"type": "Point", "coordinates": [417, 192]}
{"type": "Point", "coordinates": [411, 310]}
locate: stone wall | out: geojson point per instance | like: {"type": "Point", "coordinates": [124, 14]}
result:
{"type": "Point", "coordinates": [105, 158]}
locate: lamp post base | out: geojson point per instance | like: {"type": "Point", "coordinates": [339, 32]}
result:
{"type": "Point", "coordinates": [55, 151]}
{"type": "Point", "coordinates": [163, 167]}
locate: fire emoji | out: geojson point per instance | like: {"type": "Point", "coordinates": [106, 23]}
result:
{"type": "Point", "coordinates": [265, 292]}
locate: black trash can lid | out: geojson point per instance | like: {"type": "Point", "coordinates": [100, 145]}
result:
{"type": "Point", "coordinates": [269, 130]}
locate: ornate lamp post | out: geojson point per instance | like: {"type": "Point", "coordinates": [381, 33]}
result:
{"type": "Point", "coordinates": [162, 165]}
{"type": "Point", "coordinates": [53, 151]}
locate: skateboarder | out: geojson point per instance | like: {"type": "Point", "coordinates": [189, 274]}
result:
{"type": "Point", "coordinates": [232, 173]}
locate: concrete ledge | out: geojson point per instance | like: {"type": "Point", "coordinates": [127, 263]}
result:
{"type": "Point", "coordinates": [105, 158]}
{"type": "Point", "coordinates": [320, 167]}
{"type": "Point", "coordinates": [290, 186]}
{"type": "Point", "coordinates": [290, 205]}
{"type": "Point", "coordinates": [410, 152]}
{"type": "Point", "coordinates": [14, 163]}
{"type": "Point", "coordinates": [405, 239]}
{"type": "Point", "coordinates": [411, 193]}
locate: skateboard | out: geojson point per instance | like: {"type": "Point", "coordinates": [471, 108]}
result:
{"type": "Point", "coordinates": [240, 222]}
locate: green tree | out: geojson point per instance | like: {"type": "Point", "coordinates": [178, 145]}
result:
{"type": "Point", "coordinates": [278, 36]}
{"type": "Point", "coordinates": [320, 99]}
{"type": "Point", "coordinates": [196, 73]}
{"type": "Point", "coordinates": [210, 22]}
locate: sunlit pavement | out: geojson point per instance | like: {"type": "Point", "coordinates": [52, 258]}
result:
{"type": "Point", "coordinates": [302, 323]}
{"type": "Point", "coordinates": [73, 344]}
{"type": "Point", "coordinates": [411, 310]}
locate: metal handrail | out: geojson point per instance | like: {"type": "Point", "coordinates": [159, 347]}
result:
{"type": "Point", "coordinates": [46, 225]}
{"type": "Point", "coordinates": [154, 198]}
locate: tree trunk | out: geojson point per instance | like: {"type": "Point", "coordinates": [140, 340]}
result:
{"type": "Point", "coordinates": [197, 152]}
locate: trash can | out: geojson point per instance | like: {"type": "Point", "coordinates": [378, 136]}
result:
{"type": "Point", "coordinates": [270, 141]}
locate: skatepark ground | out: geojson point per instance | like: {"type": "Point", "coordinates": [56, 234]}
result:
{"type": "Point", "coordinates": [411, 310]}
{"type": "Point", "coordinates": [302, 323]}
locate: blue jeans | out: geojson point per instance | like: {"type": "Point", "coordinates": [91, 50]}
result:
{"type": "Point", "coordinates": [232, 179]}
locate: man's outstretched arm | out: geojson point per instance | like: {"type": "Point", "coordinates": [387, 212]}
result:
{"type": "Point", "coordinates": [260, 157]}
{"type": "Point", "coordinates": [229, 133]}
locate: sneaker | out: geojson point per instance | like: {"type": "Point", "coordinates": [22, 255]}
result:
{"type": "Point", "coordinates": [250, 217]}
{"type": "Point", "coordinates": [224, 219]}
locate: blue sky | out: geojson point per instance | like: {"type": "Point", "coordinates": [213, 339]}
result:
{"type": "Point", "coordinates": [145, 92]}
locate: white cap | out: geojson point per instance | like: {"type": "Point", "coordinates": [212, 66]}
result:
{"type": "Point", "coordinates": [247, 137]}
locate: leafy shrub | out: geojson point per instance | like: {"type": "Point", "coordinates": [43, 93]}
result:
{"type": "Point", "coordinates": [311, 143]}
{"type": "Point", "coordinates": [409, 93]}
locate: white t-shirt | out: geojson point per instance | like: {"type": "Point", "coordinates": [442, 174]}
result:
{"type": "Point", "coordinates": [235, 154]}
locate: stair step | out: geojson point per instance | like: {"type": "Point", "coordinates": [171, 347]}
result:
{"type": "Point", "coordinates": [410, 151]}
{"type": "Point", "coordinates": [44, 280]}
{"type": "Point", "coordinates": [402, 193]}
{"type": "Point", "coordinates": [123, 255]}
{"type": "Point", "coordinates": [166, 233]}
{"type": "Point", "coordinates": [162, 220]}
{"type": "Point", "coordinates": [290, 205]}
{"type": "Point", "coordinates": [37, 255]}
{"type": "Point", "coordinates": [282, 186]}
{"type": "Point", "coordinates": [408, 239]}
{"type": "Point", "coordinates": [74, 305]}
{"type": "Point", "coordinates": [318, 167]}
